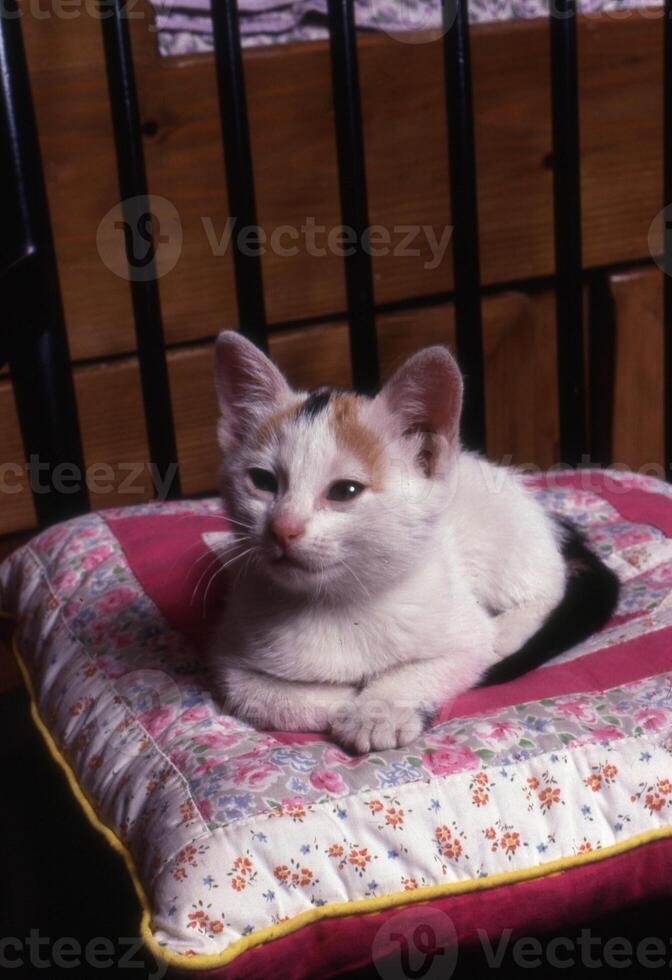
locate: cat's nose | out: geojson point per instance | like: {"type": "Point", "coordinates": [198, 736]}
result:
{"type": "Point", "coordinates": [286, 530]}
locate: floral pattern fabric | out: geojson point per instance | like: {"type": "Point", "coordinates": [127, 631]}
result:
{"type": "Point", "coordinates": [233, 829]}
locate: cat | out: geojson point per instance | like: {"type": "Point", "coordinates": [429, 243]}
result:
{"type": "Point", "coordinates": [381, 569]}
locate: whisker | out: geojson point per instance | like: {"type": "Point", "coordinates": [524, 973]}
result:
{"type": "Point", "coordinates": [213, 517]}
{"type": "Point", "coordinates": [356, 577]}
{"type": "Point", "coordinates": [216, 557]}
{"type": "Point", "coordinates": [195, 545]}
{"type": "Point", "coordinates": [215, 560]}
{"type": "Point", "coordinates": [321, 584]}
{"type": "Point", "coordinates": [233, 520]}
{"type": "Point", "coordinates": [218, 573]}
{"type": "Point", "coordinates": [206, 554]}
{"type": "Point", "coordinates": [244, 567]}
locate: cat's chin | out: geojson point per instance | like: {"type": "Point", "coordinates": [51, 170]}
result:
{"type": "Point", "coordinates": [298, 575]}
{"type": "Point", "coordinates": [287, 563]}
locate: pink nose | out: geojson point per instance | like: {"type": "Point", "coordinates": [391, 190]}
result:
{"type": "Point", "coordinates": [287, 530]}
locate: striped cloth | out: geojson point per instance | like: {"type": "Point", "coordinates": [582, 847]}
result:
{"type": "Point", "coordinates": [185, 26]}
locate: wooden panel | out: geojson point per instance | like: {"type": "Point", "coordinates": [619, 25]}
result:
{"type": "Point", "coordinates": [292, 134]}
{"type": "Point", "coordinates": [70, 94]}
{"type": "Point", "coordinates": [16, 505]}
{"type": "Point", "coordinates": [638, 395]}
{"type": "Point", "coordinates": [113, 434]}
{"type": "Point", "coordinates": [521, 411]}
{"type": "Point", "coordinates": [522, 388]}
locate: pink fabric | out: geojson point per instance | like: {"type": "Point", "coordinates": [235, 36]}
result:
{"type": "Point", "coordinates": [632, 503]}
{"type": "Point", "coordinates": [173, 564]}
{"type": "Point", "coordinates": [641, 657]}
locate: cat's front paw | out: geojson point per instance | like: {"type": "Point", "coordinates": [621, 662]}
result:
{"type": "Point", "coordinates": [373, 726]}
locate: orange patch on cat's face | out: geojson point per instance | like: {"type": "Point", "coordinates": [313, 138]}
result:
{"type": "Point", "coordinates": [355, 437]}
{"type": "Point", "coordinates": [351, 434]}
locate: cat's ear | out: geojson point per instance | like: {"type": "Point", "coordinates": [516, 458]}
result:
{"type": "Point", "coordinates": [425, 395]}
{"type": "Point", "coordinates": [248, 384]}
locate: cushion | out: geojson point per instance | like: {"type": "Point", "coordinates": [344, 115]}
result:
{"type": "Point", "coordinates": [242, 843]}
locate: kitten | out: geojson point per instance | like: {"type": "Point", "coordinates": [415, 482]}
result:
{"type": "Point", "coordinates": [382, 570]}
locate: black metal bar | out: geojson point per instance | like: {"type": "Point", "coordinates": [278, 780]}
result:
{"type": "Point", "coordinates": [32, 310]}
{"type": "Point", "coordinates": [139, 226]}
{"type": "Point", "coordinates": [354, 203]}
{"type": "Point", "coordinates": [239, 168]}
{"type": "Point", "coordinates": [567, 217]}
{"type": "Point", "coordinates": [464, 209]}
{"type": "Point", "coordinates": [667, 240]}
{"type": "Point", "coordinates": [602, 368]}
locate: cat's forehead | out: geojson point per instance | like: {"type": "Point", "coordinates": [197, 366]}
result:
{"type": "Point", "coordinates": [329, 416]}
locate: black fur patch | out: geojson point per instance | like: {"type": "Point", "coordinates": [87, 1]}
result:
{"type": "Point", "coordinates": [591, 595]}
{"type": "Point", "coordinates": [317, 401]}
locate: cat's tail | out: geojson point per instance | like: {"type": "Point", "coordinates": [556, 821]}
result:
{"type": "Point", "coordinates": [590, 598]}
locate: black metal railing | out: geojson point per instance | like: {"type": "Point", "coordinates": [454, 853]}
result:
{"type": "Point", "coordinates": [39, 357]}
{"type": "Point", "coordinates": [239, 169]}
{"type": "Point", "coordinates": [567, 218]}
{"type": "Point", "coordinates": [32, 311]}
{"type": "Point", "coordinates": [138, 219]}
{"type": "Point", "coordinates": [667, 237]}
{"type": "Point", "coordinates": [464, 210]}
{"type": "Point", "coordinates": [354, 204]}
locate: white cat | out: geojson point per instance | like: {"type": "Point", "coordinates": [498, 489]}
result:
{"type": "Point", "coordinates": [381, 569]}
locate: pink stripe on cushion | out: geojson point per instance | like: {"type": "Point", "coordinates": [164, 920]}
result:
{"type": "Point", "coordinates": [173, 564]}
{"type": "Point", "coordinates": [642, 657]}
{"type": "Point", "coordinates": [551, 904]}
{"type": "Point", "coordinates": [632, 503]}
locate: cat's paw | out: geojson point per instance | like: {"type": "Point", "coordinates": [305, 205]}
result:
{"type": "Point", "coordinates": [376, 726]}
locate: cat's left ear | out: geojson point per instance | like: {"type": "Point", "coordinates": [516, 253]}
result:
{"type": "Point", "coordinates": [249, 387]}
{"type": "Point", "coordinates": [425, 395]}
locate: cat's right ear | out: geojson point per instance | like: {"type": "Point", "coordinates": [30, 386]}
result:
{"type": "Point", "coordinates": [248, 384]}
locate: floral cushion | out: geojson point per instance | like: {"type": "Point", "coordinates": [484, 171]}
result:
{"type": "Point", "coordinates": [238, 837]}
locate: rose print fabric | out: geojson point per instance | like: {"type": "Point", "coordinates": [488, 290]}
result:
{"type": "Point", "coordinates": [233, 830]}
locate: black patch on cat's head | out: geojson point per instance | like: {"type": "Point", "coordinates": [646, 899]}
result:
{"type": "Point", "coordinates": [317, 401]}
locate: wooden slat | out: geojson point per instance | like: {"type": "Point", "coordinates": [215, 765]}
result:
{"type": "Point", "coordinates": [292, 134]}
{"type": "Point", "coordinates": [638, 389]}
{"type": "Point", "coordinates": [521, 381]}
{"type": "Point", "coordinates": [71, 104]}
{"type": "Point", "coordinates": [16, 508]}
{"type": "Point", "coordinates": [519, 372]}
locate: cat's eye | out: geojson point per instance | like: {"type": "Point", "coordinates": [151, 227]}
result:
{"type": "Point", "coordinates": [345, 490]}
{"type": "Point", "coordinates": [263, 480]}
